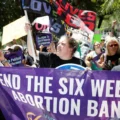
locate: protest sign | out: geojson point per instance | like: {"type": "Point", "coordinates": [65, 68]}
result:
{"type": "Point", "coordinates": [43, 39]}
{"type": "Point", "coordinates": [14, 30]}
{"type": "Point", "coordinates": [15, 58]}
{"type": "Point", "coordinates": [50, 94]}
{"type": "Point", "coordinates": [44, 24]}
{"type": "Point", "coordinates": [97, 38]}
{"type": "Point", "coordinates": [62, 9]}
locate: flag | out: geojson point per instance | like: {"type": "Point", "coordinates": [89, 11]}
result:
{"type": "Point", "coordinates": [30, 44]}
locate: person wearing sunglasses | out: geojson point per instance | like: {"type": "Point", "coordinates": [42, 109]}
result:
{"type": "Point", "coordinates": [112, 54]}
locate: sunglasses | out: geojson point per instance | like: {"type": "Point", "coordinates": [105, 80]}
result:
{"type": "Point", "coordinates": [113, 45]}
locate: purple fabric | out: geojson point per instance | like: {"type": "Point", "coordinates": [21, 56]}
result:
{"type": "Point", "coordinates": [59, 91]}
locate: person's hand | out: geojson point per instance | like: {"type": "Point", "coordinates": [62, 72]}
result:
{"type": "Point", "coordinates": [52, 46]}
{"type": "Point", "coordinates": [88, 68]}
{"type": "Point", "coordinates": [1, 56]}
{"type": "Point", "coordinates": [77, 21]}
{"type": "Point", "coordinates": [41, 48]}
{"type": "Point", "coordinates": [100, 64]}
{"type": "Point", "coordinates": [27, 27]}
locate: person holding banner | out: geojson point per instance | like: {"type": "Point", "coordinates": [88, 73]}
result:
{"type": "Point", "coordinates": [66, 47]}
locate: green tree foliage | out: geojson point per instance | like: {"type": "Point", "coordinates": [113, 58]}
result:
{"type": "Point", "coordinates": [110, 5]}
{"type": "Point", "coordinates": [10, 10]}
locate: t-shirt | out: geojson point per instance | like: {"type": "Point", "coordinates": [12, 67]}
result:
{"type": "Point", "coordinates": [50, 60]}
{"type": "Point", "coordinates": [116, 68]}
{"type": "Point", "coordinates": [29, 60]}
{"type": "Point", "coordinates": [111, 61]}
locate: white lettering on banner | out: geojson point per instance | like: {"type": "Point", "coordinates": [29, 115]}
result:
{"type": "Point", "coordinates": [97, 88]}
{"type": "Point", "coordinates": [38, 101]}
{"type": "Point", "coordinates": [55, 105]}
{"type": "Point", "coordinates": [93, 110]}
{"type": "Point", "coordinates": [111, 88]}
{"type": "Point", "coordinates": [37, 6]}
{"type": "Point", "coordinates": [63, 105]}
{"type": "Point", "coordinates": [48, 99]}
{"type": "Point", "coordinates": [48, 85]}
{"type": "Point", "coordinates": [115, 111]}
{"type": "Point", "coordinates": [117, 93]}
{"type": "Point", "coordinates": [104, 109]}
{"type": "Point", "coordinates": [10, 80]}
{"type": "Point", "coordinates": [39, 82]}
{"type": "Point", "coordinates": [64, 90]}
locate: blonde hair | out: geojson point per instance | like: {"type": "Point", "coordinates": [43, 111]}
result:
{"type": "Point", "coordinates": [111, 39]}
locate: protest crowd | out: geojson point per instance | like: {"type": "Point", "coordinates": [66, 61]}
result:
{"type": "Point", "coordinates": [72, 46]}
{"type": "Point", "coordinates": [103, 55]}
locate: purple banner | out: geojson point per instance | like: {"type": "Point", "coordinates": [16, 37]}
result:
{"type": "Point", "coordinates": [50, 94]}
{"type": "Point", "coordinates": [43, 39]}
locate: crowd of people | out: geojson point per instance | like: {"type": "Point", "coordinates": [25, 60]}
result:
{"type": "Point", "coordinates": [104, 55]}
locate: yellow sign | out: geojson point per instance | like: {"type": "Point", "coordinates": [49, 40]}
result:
{"type": "Point", "coordinates": [14, 30]}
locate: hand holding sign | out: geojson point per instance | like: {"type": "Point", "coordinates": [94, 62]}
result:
{"type": "Point", "coordinates": [77, 21]}
{"type": "Point", "coordinates": [3, 60]}
{"type": "Point", "coordinates": [27, 27]}
{"type": "Point", "coordinates": [1, 56]}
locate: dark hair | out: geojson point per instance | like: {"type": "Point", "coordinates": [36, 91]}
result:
{"type": "Point", "coordinates": [73, 44]}
{"type": "Point", "coordinates": [16, 48]}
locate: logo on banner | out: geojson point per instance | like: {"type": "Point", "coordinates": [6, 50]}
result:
{"type": "Point", "coordinates": [70, 67]}
{"type": "Point", "coordinates": [32, 116]}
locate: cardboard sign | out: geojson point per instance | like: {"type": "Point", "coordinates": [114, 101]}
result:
{"type": "Point", "coordinates": [14, 30]}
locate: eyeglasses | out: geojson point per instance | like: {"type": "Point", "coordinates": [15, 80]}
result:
{"type": "Point", "coordinates": [97, 45]}
{"type": "Point", "coordinates": [113, 45]}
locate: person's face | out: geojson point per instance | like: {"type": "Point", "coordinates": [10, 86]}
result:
{"type": "Point", "coordinates": [97, 45]}
{"type": "Point", "coordinates": [63, 48]}
{"type": "Point", "coordinates": [112, 47]}
{"type": "Point", "coordinates": [102, 43]}
{"type": "Point", "coordinates": [49, 49]}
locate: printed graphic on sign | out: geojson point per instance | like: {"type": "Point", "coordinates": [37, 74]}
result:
{"type": "Point", "coordinates": [42, 24]}
{"type": "Point", "coordinates": [70, 67]}
{"type": "Point", "coordinates": [43, 39]}
{"type": "Point", "coordinates": [15, 58]}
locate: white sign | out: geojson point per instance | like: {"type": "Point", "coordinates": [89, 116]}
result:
{"type": "Point", "coordinates": [14, 30]}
